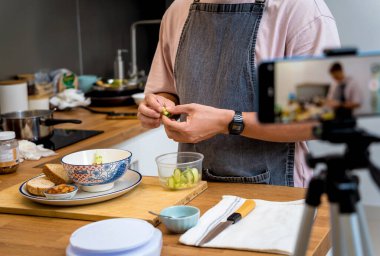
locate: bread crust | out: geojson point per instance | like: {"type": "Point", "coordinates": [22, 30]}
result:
{"type": "Point", "coordinates": [39, 185]}
{"type": "Point", "coordinates": [56, 173]}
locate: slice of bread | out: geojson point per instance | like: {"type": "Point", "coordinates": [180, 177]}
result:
{"type": "Point", "coordinates": [56, 173]}
{"type": "Point", "coordinates": [38, 186]}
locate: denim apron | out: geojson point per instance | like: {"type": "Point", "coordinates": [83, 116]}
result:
{"type": "Point", "coordinates": [215, 66]}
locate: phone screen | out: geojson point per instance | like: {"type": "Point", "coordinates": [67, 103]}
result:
{"type": "Point", "coordinates": [302, 90]}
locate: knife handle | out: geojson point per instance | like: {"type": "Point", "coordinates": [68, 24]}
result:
{"type": "Point", "coordinates": [243, 211]}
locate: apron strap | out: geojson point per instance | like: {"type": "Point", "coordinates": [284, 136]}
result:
{"type": "Point", "coordinates": [256, 1]}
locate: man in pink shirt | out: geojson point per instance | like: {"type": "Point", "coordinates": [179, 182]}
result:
{"type": "Point", "coordinates": [345, 91]}
{"type": "Point", "coordinates": [204, 69]}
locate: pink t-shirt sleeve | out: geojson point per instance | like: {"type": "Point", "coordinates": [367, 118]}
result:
{"type": "Point", "coordinates": [312, 37]}
{"type": "Point", "coordinates": [161, 74]}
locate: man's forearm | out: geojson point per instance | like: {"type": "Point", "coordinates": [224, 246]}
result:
{"type": "Point", "coordinates": [270, 132]}
{"type": "Point", "coordinates": [276, 133]}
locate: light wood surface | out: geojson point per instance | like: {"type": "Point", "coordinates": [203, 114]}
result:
{"type": "Point", "coordinates": [134, 204]}
{"type": "Point", "coordinates": [29, 235]}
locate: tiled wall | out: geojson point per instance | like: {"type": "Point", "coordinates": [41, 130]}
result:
{"type": "Point", "coordinates": [48, 34]}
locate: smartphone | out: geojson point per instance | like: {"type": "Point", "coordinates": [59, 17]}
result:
{"type": "Point", "coordinates": [311, 89]}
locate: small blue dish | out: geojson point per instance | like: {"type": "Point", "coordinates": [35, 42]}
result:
{"type": "Point", "coordinates": [183, 218]}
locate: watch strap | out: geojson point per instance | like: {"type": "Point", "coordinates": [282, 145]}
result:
{"type": "Point", "coordinates": [236, 126]}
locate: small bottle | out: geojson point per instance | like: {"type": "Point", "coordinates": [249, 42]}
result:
{"type": "Point", "coordinates": [119, 66]}
{"type": "Point", "coordinates": [9, 153]}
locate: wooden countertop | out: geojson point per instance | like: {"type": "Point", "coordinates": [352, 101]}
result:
{"type": "Point", "coordinates": [27, 235]}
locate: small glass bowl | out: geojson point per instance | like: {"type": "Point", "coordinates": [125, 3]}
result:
{"type": "Point", "coordinates": [180, 170]}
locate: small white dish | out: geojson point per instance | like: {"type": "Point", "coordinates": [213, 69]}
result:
{"type": "Point", "coordinates": [122, 236]}
{"type": "Point", "coordinates": [126, 183]}
{"type": "Point", "coordinates": [62, 196]}
{"type": "Point", "coordinates": [138, 97]}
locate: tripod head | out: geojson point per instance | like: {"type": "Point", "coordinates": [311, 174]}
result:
{"type": "Point", "coordinates": [343, 130]}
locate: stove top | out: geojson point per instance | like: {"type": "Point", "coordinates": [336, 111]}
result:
{"type": "Point", "coordinates": [64, 137]}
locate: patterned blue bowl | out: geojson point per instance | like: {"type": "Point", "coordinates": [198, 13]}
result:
{"type": "Point", "coordinates": [82, 169]}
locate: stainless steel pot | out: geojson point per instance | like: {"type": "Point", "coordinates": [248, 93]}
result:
{"type": "Point", "coordinates": [33, 125]}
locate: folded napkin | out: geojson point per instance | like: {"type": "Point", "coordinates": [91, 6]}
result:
{"type": "Point", "coordinates": [270, 227]}
{"type": "Point", "coordinates": [70, 98]}
{"type": "Point", "coordinates": [30, 151]}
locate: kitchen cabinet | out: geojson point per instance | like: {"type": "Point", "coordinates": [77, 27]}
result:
{"type": "Point", "coordinates": [146, 147]}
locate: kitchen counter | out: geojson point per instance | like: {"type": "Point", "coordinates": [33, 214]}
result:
{"type": "Point", "coordinates": [27, 235]}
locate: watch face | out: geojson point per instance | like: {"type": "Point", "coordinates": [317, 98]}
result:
{"type": "Point", "coordinates": [237, 127]}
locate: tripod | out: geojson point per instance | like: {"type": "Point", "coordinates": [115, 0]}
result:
{"type": "Point", "coordinates": [350, 234]}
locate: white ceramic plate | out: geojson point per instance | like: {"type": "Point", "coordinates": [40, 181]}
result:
{"type": "Point", "coordinates": [130, 180]}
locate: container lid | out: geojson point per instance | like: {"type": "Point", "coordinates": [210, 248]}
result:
{"type": "Point", "coordinates": [13, 82]}
{"type": "Point", "coordinates": [111, 236]}
{"type": "Point", "coordinates": [7, 135]}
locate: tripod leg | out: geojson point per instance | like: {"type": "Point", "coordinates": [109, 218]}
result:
{"type": "Point", "coordinates": [364, 232]}
{"type": "Point", "coordinates": [336, 236]}
{"type": "Point", "coordinates": [351, 234]}
{"type": "Point", "coordinates": [313, 200]}
{"type": "Point", "coordinates": [305, 230]}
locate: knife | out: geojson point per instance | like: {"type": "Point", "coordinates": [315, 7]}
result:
{"type": "Point", "coordinates": [235, 217]}
{"type": "Point", "coordinates": [125, 115]}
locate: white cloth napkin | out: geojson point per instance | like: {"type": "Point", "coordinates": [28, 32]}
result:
{"type": "Point", "coordinates": [30, 151]}
{"type": "Point", "coordinates": [70, 98]}
{"type": "Point", "coordinates": [270, 227]}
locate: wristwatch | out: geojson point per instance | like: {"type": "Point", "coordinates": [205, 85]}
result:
{"type": "Point", "coordinates": [236, 126]}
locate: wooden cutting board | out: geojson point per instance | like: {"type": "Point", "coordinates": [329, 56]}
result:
{"type": "Point", "coordinates": [149, 195]}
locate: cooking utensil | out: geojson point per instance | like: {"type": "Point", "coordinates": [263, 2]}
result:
{"type": "Point", "coordinates": [112, 115]}
{"type": "Point", "coordinates": [235, 217]}
{"type": "Point", "coordinates": [94, 111]}
{"type": "Point", "coordinates": [122, 116]}
{"type": "Point", "coordinates": [165, 216]}
{"type": "Point", "coordinates": [113, 101]}
{"type": "Point", "coordinates": [109, 97]}
{"type": "Point", "coordinates": [33, 125]}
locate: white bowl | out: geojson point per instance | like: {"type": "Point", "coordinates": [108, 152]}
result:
{"type": "Point", "coordinates": [97, 177]}
{"type": "Point", "coordinates": [138, 97]}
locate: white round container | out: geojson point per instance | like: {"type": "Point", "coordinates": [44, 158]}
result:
{"type": "Point", "coordinates": [13, 96]}
{"type": "Point", "coordinates": [116, 237]}
{"type": "Point", "coordinates": [37, 102]}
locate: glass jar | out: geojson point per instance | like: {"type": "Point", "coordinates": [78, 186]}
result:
{"type": "Point", "coordinates": [9, 154]}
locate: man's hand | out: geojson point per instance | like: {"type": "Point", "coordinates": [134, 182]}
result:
{"type": "Point", "coordinates": [149, 111]}
{"type": "Point", "coordinates": [202, 123]}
